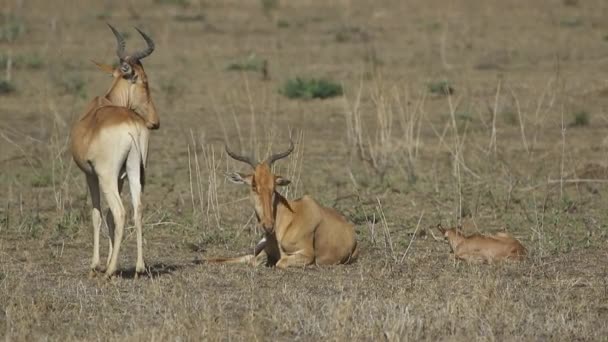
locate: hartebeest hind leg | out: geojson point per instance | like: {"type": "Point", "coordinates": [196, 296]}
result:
{"type": "Point", "coordinates": [299, 258]}
{"type": "Point", "coordinates": [135, 176]}
{"type": "Point", "coordinates": [108, 182]}
{"type": "Point", "coordinates": [93, 184]}
{"type": "Point", "coordinates": [110, 221]}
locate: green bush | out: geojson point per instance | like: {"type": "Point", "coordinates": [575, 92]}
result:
{"type": "Point", "coordinates": [310, 88]}
{"type": "Point", "coordinates": [441, 88]}
{"type": "Point", "coordinates": [581, 118]}
{"type": "Point", "coordinates": [6, 87]}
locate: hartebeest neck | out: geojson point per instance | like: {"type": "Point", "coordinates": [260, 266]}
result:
{"type": "Point", "coordinates": [283, 211]}
{"type": "Point", "coordinates": [121, 94]}
{"type": "Point", "coordinates": [118, 94]}
{"type": "Point", "coordinates": [455, 238]}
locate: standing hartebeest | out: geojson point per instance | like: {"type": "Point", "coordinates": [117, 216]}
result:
{"type": "Point", "coordinates": [111, 139]}
{"type": "Point", "coordinates": [483, 248]}
{"type": "Point", "coordinates": [297, 233]}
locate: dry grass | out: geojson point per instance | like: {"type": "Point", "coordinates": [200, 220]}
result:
{"type": "Point", "coordinates": [496, 153]}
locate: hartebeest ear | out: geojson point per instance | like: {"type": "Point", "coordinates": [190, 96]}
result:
{"type": "Point", "coordinates": [104, 67]}
{"type": "Point", "coordinates": [441, 229]}
{"type": "Point", "coordinates": [280, 181]}
{"type": "Point", "coordinates": [239, 178]}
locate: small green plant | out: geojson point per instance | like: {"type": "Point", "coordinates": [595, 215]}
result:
{"type": "Point", "coordinates": [6, 87]}
{"type": "Point", "coordinates": [581, 118]}
{"type": "Point", "coordinates": [441, 88]}
{"type": "Point", "coordinates": [310, 88]}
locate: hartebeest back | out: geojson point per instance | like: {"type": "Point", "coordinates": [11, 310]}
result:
{"type": "Point", "coordinates": [296, 232]}
{"type": "Point", "coordinates": [111, 140]}
{"type": "Point", "coordinates": [483, 248]}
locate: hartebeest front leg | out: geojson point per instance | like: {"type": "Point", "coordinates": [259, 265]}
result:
{"type": "Point", "coordinates": [300, 258]}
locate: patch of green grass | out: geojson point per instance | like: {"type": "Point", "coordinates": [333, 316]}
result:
{"type": "Point", "coordinates": [105, 15]}
{"type": "Point", "coordinates": [71, 83]}
{"type": "Point", "coordinates": [6, 87]}
{"type": "Point", "coordinates": [182, 3]}
{"type": "Point", "coordinates": [42, 180]}
{"type": "Point", "coordinates": [581, 118]}
{"type": "Point", "coordinates": [10, 28]}
{"type": "Point", "coordinates": [440, 88]}
{"type": "Point", "coordinates": [351, 34]}
{"type": "Point", "coordinates": [68, 224]}
{"type": "Point", "coordinates": [571, 22]}
{"type": "Point", "coordinates": [33, 61]}
{"type": "Point", "coordinates": [251, 63]}
{"type": "Point", "coordinates": [189, 17]}
{"type": "Point", "coordinates": [268, 6]}
{"type": "Point", "coordinates": [510, 117]}
{"type": "Point", "coordinates": [282, 23]}
{"type": "Point", "coordinates": [310, 88]}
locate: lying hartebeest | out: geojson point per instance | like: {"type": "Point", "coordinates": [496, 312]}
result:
{"type": "Point", "coordinates": [111, 140]}
{"type": "Point", "coordinates": [296, 233]}
{"type": "Point", "coordinates": [482, 248]}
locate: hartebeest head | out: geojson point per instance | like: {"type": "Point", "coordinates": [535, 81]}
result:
{"type": "Point", "coordinates": [130, 86]}
{"type": "Point", "coordinates": [262, 183]}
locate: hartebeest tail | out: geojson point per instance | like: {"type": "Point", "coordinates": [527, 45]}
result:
{"type": "Point", "coordinates": [110, 141]}
{"type": "Point", "coordinates": [483, 248]}
{"type": "Point", "coordinates": [297, 232]}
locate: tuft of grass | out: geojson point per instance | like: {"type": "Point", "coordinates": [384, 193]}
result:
{"type": "Point", "coordinates": [440, 88]}
{"type": "Point", "coordinates": [6, 87]}
{"type": "Point", "coordinates": [581, 118]}
{"type": "Point", "coordinates": [310, 88]}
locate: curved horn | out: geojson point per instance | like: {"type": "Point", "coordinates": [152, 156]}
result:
{"type": "Point", "coordinates": [281, 155]}
{"type": "Point", "coordinates": [120, 41]}
{"type": "Point", "coordinates": [246, 159]}
{"type": "Point", "coordinates": [144, 53]}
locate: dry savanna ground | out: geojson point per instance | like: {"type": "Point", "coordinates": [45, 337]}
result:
{"type": "Point", "coordinates": [518, 144]}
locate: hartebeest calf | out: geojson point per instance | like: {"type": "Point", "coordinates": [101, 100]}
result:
{"type": "Point", "coordinates": [111, 140]}
{"type": "Point", "coordinates": [296, 232]}
{"type": "Point", "coordinates": [483, 248]}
